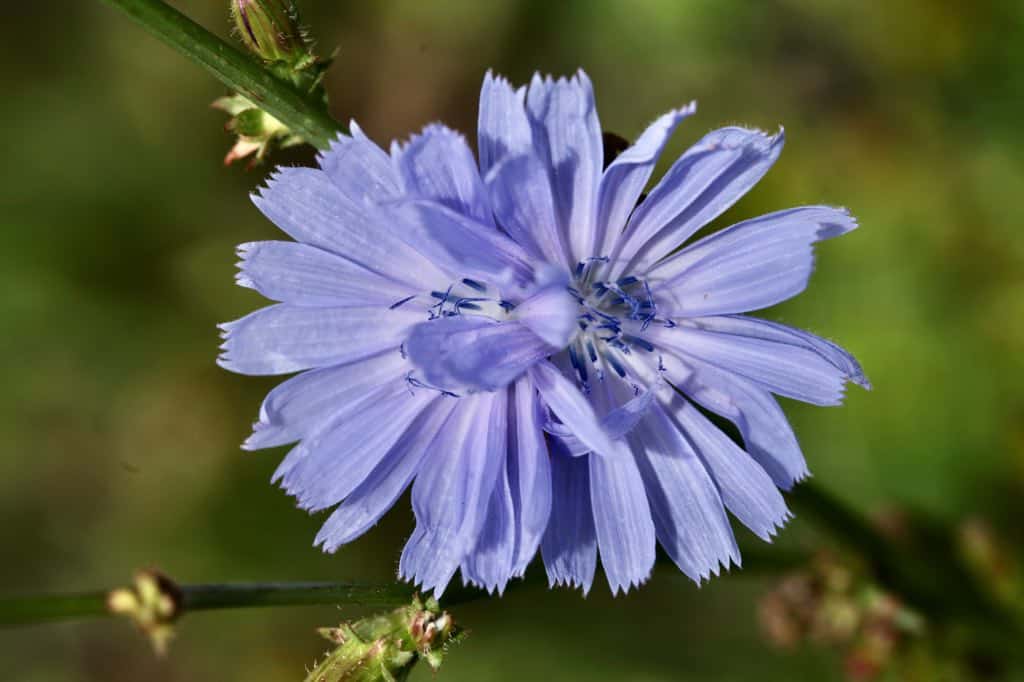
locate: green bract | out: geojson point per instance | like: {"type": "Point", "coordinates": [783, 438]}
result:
{"type": "Point", "coordinates": [386, 646]}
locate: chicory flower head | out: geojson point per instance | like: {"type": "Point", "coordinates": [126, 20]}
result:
{"type": "Point", "coordinates": [520, 340]}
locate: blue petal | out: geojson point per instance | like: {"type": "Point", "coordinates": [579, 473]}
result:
{"type": "Point", "coordinates": [625, 178]}
{"type": "Point", "coordinates": [529, 473]}
{"type": "Point", "coordinates": [689, 518]}
{"type": "Point", "coordinates": [362, 171]}
{"type": "Point", "coordinates": [439, 165]}
{"type": "Point", "coordinates": [453, 490]}
{"type": "Point", "coordinates": [773, 331]}
{"type": "Point", "coordinates": [741, 345]}
{"type": "Point", "coordinates": [460, 245]}
{"type": "Point", "coordinates": [567, 137]}
{"type": "Point", "coordinates": [766, 432]}
{"type": "Point", "coordinates": [473, 353]}
{"type": "Point", "coordinates": [520, 192]}
{"type": "Point", "coordinates": [617, 423]}
{"type": "Point", "coordinates": [502, 128]}
{"type": "Point", "coordinates": [304, 275]}
{"type": "Point", "coordinates": [751, 265]}
{"type": "Point", "coordinates": [569, 546]}
{"type": "Point", "coordinates": [309, 207]}
{"type": "Point", "coordinates": [283, 338]}
{"type": "Point", "coordinates": [622, 520]}
{"type": "Point", "coordinates": [330, 463]}
{"type": "Point", "coordinates": [297, 407]}
{"type": "Point", "coordinates": [571, 407]}
{"type": "Point", "coordinates": [389, 479]}
{"type": "Point", "coordinates": [747, 490]}
{"type": "Point", "coordinates": [706, 180]}
{"type": "Point", "coordinates": [490, 563]}
{"type": "Point", "coordinates": [550, 312]}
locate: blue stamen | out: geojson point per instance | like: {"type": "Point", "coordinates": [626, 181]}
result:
{"type": "Point", "coordinates": [580, 367]}
{"type": "Point", "coordinates": [614, 362]}
{"type": "Point", "coordinates": [583, 266]}
{"type": "Point", "coordinates": [398, 304]}
{"type": "Point", "coordinates": [603, 316]}
{"type": "Point", "coordinates": [637, 341]}
{"type": "Point", "coordinates": [473, 284]}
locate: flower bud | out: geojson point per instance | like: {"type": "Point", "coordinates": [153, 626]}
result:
{"type": "Point", "coordinates": [258, 132]}
{"type": "Point", "coordinates": [153, 602]}
{"type": "Point", "coordinates": [386, 646]}
{"type": "Point", "coordinates": [270, 29]}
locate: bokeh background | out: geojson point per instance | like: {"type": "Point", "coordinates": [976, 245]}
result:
{"type": "Point", "coordinates": [117, 228]}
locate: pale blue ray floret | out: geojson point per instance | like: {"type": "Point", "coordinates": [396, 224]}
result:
{"type": "Point", "coordinates": [521, 340]}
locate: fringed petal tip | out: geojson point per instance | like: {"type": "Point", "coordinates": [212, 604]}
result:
{"type": "Point", "coordinates": [493, 588]}
{"type": "Point", "coordinates": [773, 527]}
{"type": "Point", "coordinates": [718, 568]}
{"type": "Point", "coordinates": [263, 433]}
{"type": "Point", "coordinates": [226, 327]}
{"type": "Point", "coordinates": [571, 583]}
{"type": "Point", "coordinates": [424, 584]}
{"type": "Point", "coordinates": [325, 543]}
{"type": "Point", "coordinates": [685, 111]}
{"type": "Point", "coordinates": [341, 139]}
{"type": "Point", "coordinates": [754, 140]}
{"type": "Point", "coordinates": [259, 195]}
{"type": "Point", "coordinates": [224, 360]}
{"type": "Point", "coordinates": [244, 252]}
{"type": "Point", "coordinates": [491, 78]}
{"type": "Point", "coordinates": [399, 147]}
{"type": "Point", "coordinates": [623, 588]}
{"type": "Point", "coordinates": [838, 223]}
{"type": "Point", "coordinates": [547, 80]}
{"type": "Point", "coordinates": [793, 479]}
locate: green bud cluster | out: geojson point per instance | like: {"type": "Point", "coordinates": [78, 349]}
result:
{"type": "Point", "coordinates": [385, 647]}
{"type": "Point", "coordinates": [271, 30]}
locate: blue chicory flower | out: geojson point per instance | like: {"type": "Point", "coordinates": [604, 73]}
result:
{"type": "Point", "coordinates": [521, 342]}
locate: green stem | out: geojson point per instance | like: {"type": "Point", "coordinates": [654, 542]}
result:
{"type": "Point", "coordinates": [52, 607]}
{"type": "Point", "coordinates": [234, 68]}
{"type": "Point", "coordinates": [207, 597]}
{"type": "Point", "coordinates": [46, 608]}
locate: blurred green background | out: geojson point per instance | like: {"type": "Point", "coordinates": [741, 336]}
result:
{"type": "Point", "coordinates": [118, 223]}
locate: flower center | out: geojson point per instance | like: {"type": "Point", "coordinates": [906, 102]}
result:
{"type": "Point", "coordinates": [613, 316]}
